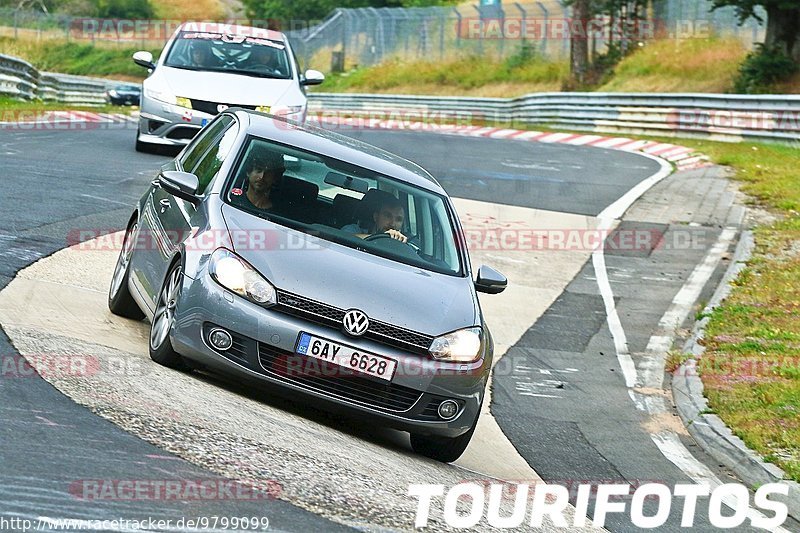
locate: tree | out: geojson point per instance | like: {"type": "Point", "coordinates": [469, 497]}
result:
{"type": "Point", "coordinates": [783, 22]}
{"type": "Point", "coordinates": [579, 44]}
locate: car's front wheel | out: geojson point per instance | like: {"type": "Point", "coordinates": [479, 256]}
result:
{"type": "Point", "coordinates": [146, 148]}
{"type": "Point", "coordinates": [444, 449]}
{"type": "Point", "coordinates": [163, 319]}
{"type": "Point", "coordinates": [120, 301]}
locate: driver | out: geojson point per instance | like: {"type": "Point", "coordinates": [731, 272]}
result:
{"type": "Point", "coordinates": [260, 57]}
{"type": "Point", "coordinates": [387, 218]}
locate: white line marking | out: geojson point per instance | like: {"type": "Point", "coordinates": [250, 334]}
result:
{"type": "Point", "coordinates": [104, 199]}
{"type": "Point", "coordinates": [652, 374]}
{"type": "Point", "coordinates": [668, 443]}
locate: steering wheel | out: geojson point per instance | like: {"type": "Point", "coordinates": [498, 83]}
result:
{"type": "Point", "coordinates": [382, 236]}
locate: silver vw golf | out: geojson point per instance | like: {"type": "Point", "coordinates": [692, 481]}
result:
{"type": "Point", "coordinates": [317, 264]}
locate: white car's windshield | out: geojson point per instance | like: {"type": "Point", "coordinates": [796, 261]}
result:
{"type": "Point", "coordinates": [251, 56]}
{"type": "Point", "coordinates": [346, 204]}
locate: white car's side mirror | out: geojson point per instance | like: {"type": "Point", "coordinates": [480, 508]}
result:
{"type": "Point", "coordinates": [312, 77]}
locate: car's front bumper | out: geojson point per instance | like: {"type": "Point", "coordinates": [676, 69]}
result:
{"type": "Point", "coordinates": [266, 339]}
{"type": "Point", "coordinates": [169, 124]}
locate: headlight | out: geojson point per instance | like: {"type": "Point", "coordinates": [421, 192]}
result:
{"type": "Point", "coordinates": [112, 93]}
{"type": "Point", "coordinates": [233, 273]}
{"type": "Point", "coordinates": [462, 346]}
{"type": "Point", "coordinates": [161, 96]}
{"type": "Point", "coordinates": [263, 108]}
{"type": "Point", "coordinates": [183, 102]}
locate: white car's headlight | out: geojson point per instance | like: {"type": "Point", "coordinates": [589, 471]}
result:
{"type": "Point", "coordinates": [462, 346]}
{"type": "Point", "coordinates": [161, 96]}
{"type": "Point", "coordinates": [233, 273]}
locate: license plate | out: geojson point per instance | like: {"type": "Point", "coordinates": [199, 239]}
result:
{"type": "Point", "coordinates": [346, 356]}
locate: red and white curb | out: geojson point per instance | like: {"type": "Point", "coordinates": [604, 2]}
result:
{"type": "Point", "coordinates": [59, 119]}
{"type": "Point", "coordinates": [682, 157]}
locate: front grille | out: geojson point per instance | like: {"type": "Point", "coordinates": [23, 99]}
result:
{"type": "Point", "coordinates": [212, 108]}
{"type": "Point", "coordinates": [318, 375]}
{"type": "Point", "coordinates": [328, 315]}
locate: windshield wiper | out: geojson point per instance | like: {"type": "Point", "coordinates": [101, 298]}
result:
{"type": "Point", "coordinates": [254, 74]}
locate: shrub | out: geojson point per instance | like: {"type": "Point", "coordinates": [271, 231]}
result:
{"type": "Point", "coordinates": [763, 68]}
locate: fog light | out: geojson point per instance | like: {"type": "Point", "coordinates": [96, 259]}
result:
{"type": "Point", "coordinates": [220, 339]}
{"type": "Point", "coordinates": [448, 409]}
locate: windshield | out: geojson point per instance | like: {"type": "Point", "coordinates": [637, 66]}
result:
{"type": "Point", "coordinates": [346, 204]}
{"type": "Point", "coordinates": [251, 56]}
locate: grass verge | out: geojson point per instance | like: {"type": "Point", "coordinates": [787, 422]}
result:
{"type": "Point", "coordinates": [80, 58]}
{"type": "Point", "coordinates": [469, 76]}
{"type": "Point", "coordinates": [751, 367]}
{"type": "Point", "coordinates": [12, 109]}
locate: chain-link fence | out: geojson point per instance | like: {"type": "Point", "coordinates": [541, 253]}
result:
{"type": "Point", "coordinates": [367, 36]}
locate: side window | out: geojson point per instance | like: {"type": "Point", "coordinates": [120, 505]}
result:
{"type": "Point", "coordinates": [208, 167]}
{"type": "Point", "coordinates": [201, 143]}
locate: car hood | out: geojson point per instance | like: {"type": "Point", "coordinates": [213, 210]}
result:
{"type": "Point", "coordinates": [402, 295]}
{"type": "Point", "coordinates": [223, 87]}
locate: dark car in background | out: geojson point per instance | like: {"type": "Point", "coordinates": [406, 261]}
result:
{"type": "Point", "coordinates": [291, 295]}
{"type": "Point", "coordinates": [124, 94]}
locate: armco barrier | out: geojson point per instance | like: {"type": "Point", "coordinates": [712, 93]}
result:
{"type": "Point", "coordinates": [733, 118]}
{"type": "Point", "coordinates": [19, 78]}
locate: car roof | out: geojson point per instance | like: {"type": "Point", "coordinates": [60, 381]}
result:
{"type": "Point", "coordinates": [232, 29]}
{"type": "Point", "coordinates": [330, 144]}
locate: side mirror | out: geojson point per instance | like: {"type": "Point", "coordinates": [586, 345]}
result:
{"type": "Point", "coordinates": [312, 77]}
{"type": "Point", "coordinates": [143, 58]}
{"type": "Point", "coordinates": [183, 185]}
{"type": "Point", "coordinates": [490, 281]}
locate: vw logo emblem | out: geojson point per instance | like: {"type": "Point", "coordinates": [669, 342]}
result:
{"type": "Point", "coordinates": [221, 108]}
{"type": "Point", "coordinates": [355, 322]}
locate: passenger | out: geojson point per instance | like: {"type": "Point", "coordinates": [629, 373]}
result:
{"type": "Point", "coordinates": [201, 54]}
{"type": "Point", "coordinates": [387, 218]}
{"type": "Point", "coordinates": [264, 170]}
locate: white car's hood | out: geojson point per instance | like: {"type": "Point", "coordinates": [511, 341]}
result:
{"type": "Point", "coordinates": [221, 87]}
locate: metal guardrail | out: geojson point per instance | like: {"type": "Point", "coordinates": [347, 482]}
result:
{"type": "Point", "coordinates": [732, 118]}
{"type": "Point", "coordinates": [17, 77]}
{"type": "Point", "coordinates": [21, 79]}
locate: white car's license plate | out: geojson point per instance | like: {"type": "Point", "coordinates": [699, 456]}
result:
{"type": "Point", "coordinates": [346, 356]}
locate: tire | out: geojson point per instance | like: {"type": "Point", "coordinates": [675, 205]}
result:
{"type": "Point", "coordinates": [145, 148]}
{"type": "Point", "coordinates": [120, 301]}
{"type": "Point", "coordinates": [163, 319]}
{"type": "Point", "coordinates": [141, 147]}
{"type": "Point", "coordinates": [444, 449]}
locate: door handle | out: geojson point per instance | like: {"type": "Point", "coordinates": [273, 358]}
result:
{"type": "Point", "coordinates": [164, 203]}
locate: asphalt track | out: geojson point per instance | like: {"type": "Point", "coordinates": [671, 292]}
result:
{"type": "Point", "coordinates": [56, 181]}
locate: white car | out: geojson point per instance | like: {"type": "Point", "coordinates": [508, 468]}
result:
{"type": "Point", "coordinates": [206, 68]}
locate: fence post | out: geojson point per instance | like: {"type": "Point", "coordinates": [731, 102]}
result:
{"type": "Point", "coordinates": [546, 26]}
{"type": "Point", "coordinates": [523, 27]}
{"type": "Point", "coordinates": [442, 22]}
